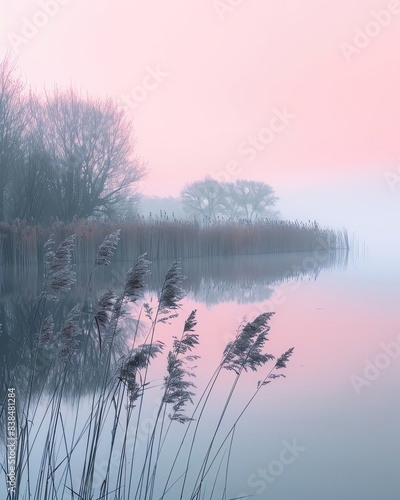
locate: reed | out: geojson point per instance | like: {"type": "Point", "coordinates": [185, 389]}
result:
{"type": "Point", "coordinates": [165, 238]}
{"type": "Point", "coordinates": [71, 457]}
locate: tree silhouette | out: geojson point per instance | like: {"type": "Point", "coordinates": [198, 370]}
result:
{"type": "Point", "coordinates": [243, 199]}
{"type": "Point", "coordinates": [63, 155]}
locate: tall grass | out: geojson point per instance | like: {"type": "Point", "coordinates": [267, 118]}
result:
{"type": "Point", "coordinates": [161, 237]}
{"type": "Point", "coordinates": [94, 454]}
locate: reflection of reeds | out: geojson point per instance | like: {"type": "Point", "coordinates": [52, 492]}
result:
{"type": "Point", "coordinates": [22, 244]}
{"type": "Point", "coordinates": [243, 279]}
{"type": "Point", "coordinates": [119, 394]}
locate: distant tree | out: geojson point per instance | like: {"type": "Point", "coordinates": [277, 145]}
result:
{"type": "Point", "coordinates": [243, 199]}
{"type": "Point", "coordinates": [250, 200]}
{"type": "Point", "coordinates": [127, 207]}
{"type": "Point", "coordinates": [204, 198]}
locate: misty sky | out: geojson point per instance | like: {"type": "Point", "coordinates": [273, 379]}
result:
{"type": "Point", "coordinates": [301, 95]}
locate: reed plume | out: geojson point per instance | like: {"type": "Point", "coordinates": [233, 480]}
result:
{"type": "Point", "coordinates": [138, 359]}
{"type": "Point", "coordinates": [284, 358]}
{"type": "Point", "coordinates": [177, 390]}
{"type": "Point", "coordinates": [245, 352]}
{"type": "Point", "coordinates": [59, 274]}
{"type": "Point", "coordinates": [134, 289]}
{"type": "Point", "coordinates": [136, 279]}
{"type": "Point", "coordinates": [105, 307]}
{"type": "Point", "coordinates": [68, 341]}
{"type": "Point", "coordinates": [46, 335]}
{"type": "Point", "coordinates": [107, 248]}
{"type": "Point", "coordinates": [172, 291]}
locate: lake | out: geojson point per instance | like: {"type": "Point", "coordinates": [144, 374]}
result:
{"type": "Point", "coordinates": [328, 430]}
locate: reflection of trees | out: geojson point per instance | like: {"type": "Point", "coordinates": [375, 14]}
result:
{"type": "Point", "coordinates": [211, 281]}
{"type": "Point", "coordinates": [20, 325]}
{"type": "Point", "coordinates": [211, 293]}
{"type": "Point", "coordinates": [16, 320]}
{"type": "Point", "coordinates": [246, 279]}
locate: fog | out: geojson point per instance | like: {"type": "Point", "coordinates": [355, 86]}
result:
{"type": "Point", "coordinates": [369, 210]}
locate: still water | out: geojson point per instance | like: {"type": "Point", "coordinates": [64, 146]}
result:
{"type": "Point", "coordinates": [329, 430]}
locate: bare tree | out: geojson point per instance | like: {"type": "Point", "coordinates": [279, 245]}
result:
{"type": "Point", "coordinates": [63, 156]}
{"type": "Point", "coordinates": [12, 126]}
{"type": "Point", "coordinates": [32, 195]}
{"type": "Point", "coordinates": [243, 199]}
{"type": "Point", "coordinates": [250, 200]}
{"type": "Point", "coordinates": [90, 142]}
{"type": "Point", "coordinates": [204, 198]}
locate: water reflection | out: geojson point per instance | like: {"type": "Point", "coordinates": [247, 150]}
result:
{"type": "Point", "coordinates": [209, 281]}
{"type": "Point", "coordinates": [243, 279]}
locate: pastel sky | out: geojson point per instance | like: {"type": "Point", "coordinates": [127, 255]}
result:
{"type": "Point", "coordinates": [205, 78]}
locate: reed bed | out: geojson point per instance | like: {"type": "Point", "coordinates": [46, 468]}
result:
{"type": "Point", "coordinates": [71, 462]}
{"type": "Point", "coordinates": [21, 244]}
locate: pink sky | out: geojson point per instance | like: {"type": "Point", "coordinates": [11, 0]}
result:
{"type": "Point", "coordinates": [224, 75]}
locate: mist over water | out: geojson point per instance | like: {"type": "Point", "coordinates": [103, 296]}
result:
{"type": "Point", "coordinates": [367, 207]}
